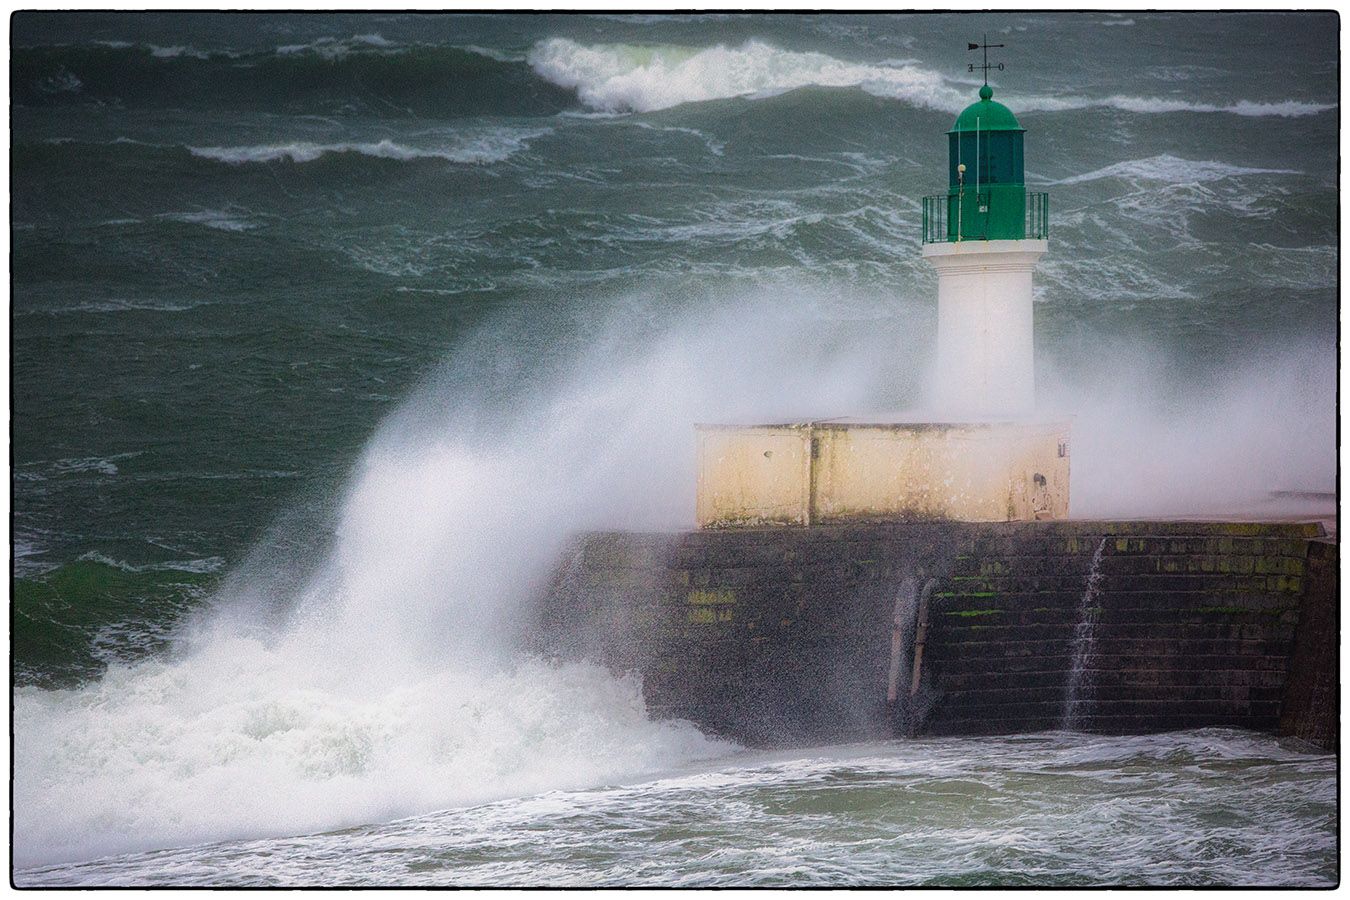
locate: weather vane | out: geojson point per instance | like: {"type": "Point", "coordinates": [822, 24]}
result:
{"type": "Point", "coordinates": [986, 67]}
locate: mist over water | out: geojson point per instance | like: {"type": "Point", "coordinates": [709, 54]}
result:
{"type": "Point", "coordinates": [428, 334]}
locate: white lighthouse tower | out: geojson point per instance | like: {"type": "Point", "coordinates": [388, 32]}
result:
{"type": "Point", "coordinates": [984, 237]}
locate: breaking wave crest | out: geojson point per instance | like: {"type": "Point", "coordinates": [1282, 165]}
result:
{"type": "Point", "coordinates": [620, 77]}
{"type": "Point", "coordinates": [628, 78]}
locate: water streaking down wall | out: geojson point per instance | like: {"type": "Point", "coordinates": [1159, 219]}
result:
{"type": "Point", "coordinates": [783, 636]}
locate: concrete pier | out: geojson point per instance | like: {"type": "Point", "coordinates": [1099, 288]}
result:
{"type": "Point", "coordinates": [778, 636]}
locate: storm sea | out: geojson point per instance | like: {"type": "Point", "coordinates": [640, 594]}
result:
{"type": "Point", "coordinates": [329, 331]}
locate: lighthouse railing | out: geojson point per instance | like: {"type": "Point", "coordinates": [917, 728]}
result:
{"type": "Point", "coordinates": [935, 219]}
{"type": "Point", "coordinates": [1038, 216]}
{"type": "Point", "coordinates": [990, 214]}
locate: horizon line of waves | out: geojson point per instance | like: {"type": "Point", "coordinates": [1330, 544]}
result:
{"type": "Point", "coordinates": [630, 78]}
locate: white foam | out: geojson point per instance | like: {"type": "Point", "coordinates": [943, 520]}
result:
{"type": "Point", "coordinates": [483, 148]}
{"type": "Point", "coordinates": [242, 739]}
{"type": "Point", "coordinates": [1280, 109]}
{"type": "Point", "coordinates": [117, 305]}
{"type": "Point", "coordinates": [1171, 170]}
{"type": "Point", "coordinates": [220, 220]}
{"type": "Point", "coordinates": [338, 48]}
{"type": "Point", "coordinates": [177, 51]}
{"type": "Point", "coordinates": [495, 54]}
{"type": "Point", "coordinates": [103, 465]}
{"type": "Point", "coordinates": [628, 78]}
{"type": "Point", "coordinates": [617, 77]}
{"type": "Point", "coordinates": [62, 81]}
{"type": "Point", "coordinates": [193, 566]}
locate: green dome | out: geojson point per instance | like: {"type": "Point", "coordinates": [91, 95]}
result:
{"type": "Point", "coordinates": [993, 116]}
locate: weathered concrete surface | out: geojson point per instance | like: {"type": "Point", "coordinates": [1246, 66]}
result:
{"type": "Point", "coordinates": [858, 471]}
{"type": "Point", "coordinates": [789, 635]}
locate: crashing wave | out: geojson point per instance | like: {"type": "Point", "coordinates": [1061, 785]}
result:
{"type": "Point", "coordinates": [627, 78]}
{"type": "Point", "coordinates": [619, 77]}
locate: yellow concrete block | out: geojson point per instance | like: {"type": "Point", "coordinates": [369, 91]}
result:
{"type": "Point", "coordinates": [846, 471]}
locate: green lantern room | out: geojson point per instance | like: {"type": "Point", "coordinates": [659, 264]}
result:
{"type": "Point", "coordinates": [986, 197]}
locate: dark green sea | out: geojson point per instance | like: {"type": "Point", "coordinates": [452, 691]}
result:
{"type": "Point", "coordinates": [328, 330]}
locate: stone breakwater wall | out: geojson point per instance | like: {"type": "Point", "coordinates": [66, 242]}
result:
{"type": "Point", "coordinates": [785, 636]}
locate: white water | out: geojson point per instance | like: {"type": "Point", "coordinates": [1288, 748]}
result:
{"type": "Point", "coordinates": [1186, 808]}
{"type": "Point", "coordinates": [1169, 169]}
{"type": "Point", "coordinates": [395, 685]}
{"type": "Point", "coordinates": [624, 77]}
{"type": "Point", "coordinates": [1078, 692]}
{"type": "Point", "coordinates": [618, 77]}
{"type": "Point", "coordinates": [496, 145]}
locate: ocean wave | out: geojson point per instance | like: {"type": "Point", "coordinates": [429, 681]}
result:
{"type": "Point", "coordinates": [501, 56]}
{"type": "Point", "coordinates": [490, 147]}
{"type": "Point", "coordinates": [103, 465]}
{"type": "Point", "coordinates": [1154, 105]}
{"type": "Point", "coordinates": [116, 304]}
{"type": "Point", "coordinates": [339, 48]}
{"type": "Point", "coordinates": [628, 78]}
{"type": "Point", "coordinates": [1172, 170]}
{"type": "Point", "coordinates": [242, 739]}
{"type": "Point", "coordinates": [620, 77]}
{"type": "Point", "coordinates": [220, 220]}
{"type": "Point", "coordinates": [60, 82]}
{"type": "Point", "coordinates": [160, 52]}
{"type": "Point", "coordinates": [177, 51]}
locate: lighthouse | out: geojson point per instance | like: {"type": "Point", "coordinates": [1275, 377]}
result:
{"type": "Point", "coordinates": [985, 456]}
{"type": "Point", "coordinates": [984, 236]}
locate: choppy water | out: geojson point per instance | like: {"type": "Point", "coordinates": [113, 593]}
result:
{"type": "Point", "coordinates": [1192, 808]}
{"type": "Point", "coordinates": [329, 329]}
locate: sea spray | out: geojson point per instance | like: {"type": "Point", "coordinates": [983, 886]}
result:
{"type": "Point", "coordinates": [1078, 692]}
{"type": "Point", "coordinates": [353, 691]}
{"type": "Point", "coordinates": [388, 680]}
{"type": "Point", "coordinates": [1151, 440]}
